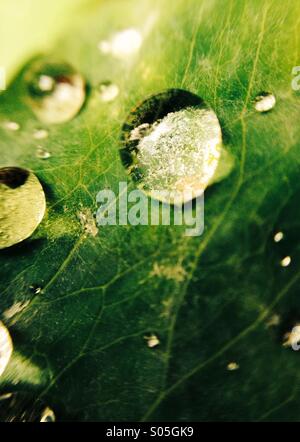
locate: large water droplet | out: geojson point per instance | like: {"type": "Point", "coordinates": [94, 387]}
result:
{"type": "Point", "coordinates": [172, 146]}
{"type": "Point", "coordinates": [6, 347]}
{"type": "Point", "coordinates": [56, 91]}
{"type": "Point", "coordinates": [22, 205]}
{"type": "Point", "coordinates": [264, 102]}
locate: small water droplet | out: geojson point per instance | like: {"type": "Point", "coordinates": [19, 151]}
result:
{"type": "Point", "coordinates": [11, 125]}
{"type": "Point", "coordinates": [278, 236]}
{"type": "Point", "coordinates": [35, 289]}
{"type": "Point", "coordinates": [47, 415]}
{"type": "Point", "coordinates": [122, 44]}
{"type": "Point", "coordinates": [152, 341]}
{"type": "Point", "coordinates": [40, 134]}
{"type": "Point", "coordinates": [42, 153]}
{"type": "Point", "coordinates": [108, 91]}
{"type": "Point", "coordinates": [292, 338]}
{"type": "Point", "coordinates": [285, 262]}
{"type": "Point", "coordinates": [232, 366]}
{"type": "Point", "coordinates": [22, 205]}
{"type": "Point", "coordinates": [172, 146]}
{"type": "Point", "coordinates": [273, 321]}
{"type": "Point", "coordinates": [264, 102]}
{"type": "Point", "coordinates": [6, 347]}
{"type": "Point", "coordinates": [56, 91]}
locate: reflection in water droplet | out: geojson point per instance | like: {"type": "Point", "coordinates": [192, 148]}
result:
{"type": "Point", "coordinates": [40, 134]}
{"type": "Point", "coordinates": [108, 91]}
{"type": "Point", "coordinates": [122, 44]}
{"type": "Point", "coordinates": [56, 91]}
{"type": "Point", "coordinates": [6, 347]}
{"type": "Point", "coordinates": [11, 125]}
{"type": "Point", "coordinates": [152, 341]}
{"type": "Point", "coordinates": [285, 262]}
{"type": "Point", "coordinates": [35, 289]}
{"type": "Point", "coordinates": [47, 415]}
{"type": "Point", "coordinates": [278, 236]}
{"type": "Point", "coordinates": [292, 338]}
{"type": "Point", "coordinates": [232, 366]}
{"type": "Point", "coordinates": [42, 153]}
{"type": "Point", "coordinates": [22, 205]}
{"type": "Point", "coordinates": [172, 146]}
{"type": "Point", "coordinates": [264, 102]}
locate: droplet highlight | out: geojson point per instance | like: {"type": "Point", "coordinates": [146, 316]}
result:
{"type": "Point", "coordinates": [278, 236]}
{"type": "Point", "coordinates": [42, 153]}
{"type": "Point", "coordinates": [6, 347]}
{"type": "Point", "coordinates": [152, 341]}
{"type": "Point", "coordinates": [108, 91]}
{"type": "Point", "coordinates": [122, 44]}
{"type": "Point", "coordinates": [56, 92]}
{"type": "Point", "coordinates": [264, 102]}
{"type": "Point", "coordinates": [285, 262]}
{"type": "Point", "coordinates": [22, 205]}
{"type": "Point", "coordinates": [232, 366]}
{"type": "Point", "coordinates": [11, 125]}
{"type": "Point", "coordinates": [47, 415]}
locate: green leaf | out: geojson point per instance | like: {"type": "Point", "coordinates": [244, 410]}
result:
{"type": "Point", "coordinates": [210, 300]}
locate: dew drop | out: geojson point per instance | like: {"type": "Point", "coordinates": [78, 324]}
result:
{"type": "Point", "coordinates": [56, 92]}
{"type": "Point", "coordinates": [264, 102]}
{"type": "Point", "coordinates": [22, 205]}
{"type": "Point", "coordinates": [172, 146]}
{"type": "Point", "coordinates": [152, 341]}
{"type": "Point", "coordinates": [292, 338]}
{"type": "Point", "coordinates": [42, 153]}
{"type": "Point", "coordinates": [232, 366]}
{"type": "Point", "coordinates": [285, 262]}
{"type": "Point", "coordinates": [6, 347]}
{"type": "Point", "coordinates": [40, 134]}
{"type": "Point", "coordinates": [122, 44]}
{"type": "Point", "coordinates": [47, 415]}
{"type": "Point", "coordinates": [108, 91]}
{"type": "Point", "coordinates": [278, 237]}
{"type": "Point", "coordinates": [11, 125]}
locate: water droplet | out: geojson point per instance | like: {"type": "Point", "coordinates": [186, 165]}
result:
{"type": "Point", "coordinates": [11, 125]}
{"type": "Point", "coordinates": [285, 262]}
{"type": "Point", "coordinates": [6, 347]}
{"type": "Point", "coordinates": [56, 91]}
{"type": "Point", "coordinates": [40, 134]}
{"type": "Point", "coordinates": [22, 205]}
{"type": "Point", "coordinates": [273, 321]}
{"type": "Point", "coordinates": [47, 415]}
{"type": "Point", "coordinates": [122, 44]}
{"type": "Point", "coordinates": [108, 91]}
{"type": "Point", "coordinates": [232, 366]}
{"type": "Point", "coordinates": [42, 153]}
{"type": "Point", "coordinates": [152, 341]}
{"type": "Point", "coordinates": [35, 289]}
{"type": "Point", "coordinates": [278, 236]}
{"type": "Point", "coordinates": [264, 102]}
{"type": "Point", "coordinates": [172, 146]}
{"type": "Point", "coordinates": [292, 338]}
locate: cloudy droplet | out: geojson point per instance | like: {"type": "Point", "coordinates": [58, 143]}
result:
{"type": "Point", "coordinates": [47, 415]}
{"type": "Point", "coordinates": [278, 236]}
{"type": "Point", "coordinates": [172, 146]}
{"type": "Point", "coordinates": [56, 91]}
{"type": "Point", "coordinates": [11, 125]}
{"type": "Point", "coordinates": [232, 366]}
{"type": "Point", "coordinates": [264, 102]}
{"type": "Point", "coordinates": [152, 341]}
{"type": "Point", "coordinates": [40, 134]}
{"type": "Point", "coordinates": [6, 347]}
{"type": "Point", "coordinates": [285, 262]}
{"type": "Point", "coordinates": [108, 91]}
{"type": "Point", "coordinates": [122, 44]}
{"type": "Point", "coordinates": [22, 205]}
{"type": "Point", "coordinates": [42, 153]}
